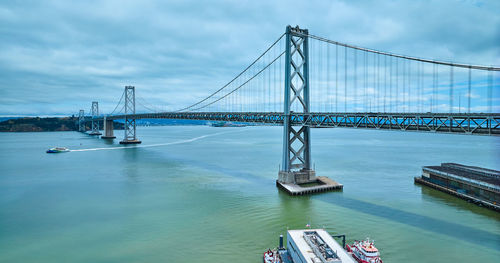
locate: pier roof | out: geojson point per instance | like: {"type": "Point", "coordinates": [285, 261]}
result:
{"type": "Point", "coordinates": [472, 172]}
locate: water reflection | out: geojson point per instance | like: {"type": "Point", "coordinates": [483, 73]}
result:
{"type": "Point", "coordinates": [466, 233]}
{"type": "Point", "coordinates": [433, 195]}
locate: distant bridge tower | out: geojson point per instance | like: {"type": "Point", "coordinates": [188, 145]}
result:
{"type": "Point", "coordinates": [95, 121]}
{"type": "Point", "coordinates": [130, 129]}
{"type": "Point", "coordinates": [296, 165]}
{"type": "Point", "coordinates": [81, 121]}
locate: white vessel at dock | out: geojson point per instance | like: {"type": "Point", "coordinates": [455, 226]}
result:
{"type": "Point", "coordinates": [308, 246]}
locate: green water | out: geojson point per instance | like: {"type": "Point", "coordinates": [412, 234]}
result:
{"type": "Point", "coordinates": [213, 199]}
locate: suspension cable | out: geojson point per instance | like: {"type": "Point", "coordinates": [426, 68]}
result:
{"type": "Point", "coordinates": [120, 101]}
{"type": "Point", "coordinates": [237, 76]}
{"type": "Point", "coordinates": [243, 84]}
{"type": "Point", "coordinates": [489, 68]}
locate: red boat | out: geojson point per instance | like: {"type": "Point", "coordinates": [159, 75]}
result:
{"type": "Point", "coordinates": [271, 256]}
{"type": "Point", "coordinates": [364, 251]}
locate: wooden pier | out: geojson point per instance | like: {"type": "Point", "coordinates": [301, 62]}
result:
{"type": "Point", "coordinates": [468, 198]}
{"type": "Point", "coordinates": [477, 185]}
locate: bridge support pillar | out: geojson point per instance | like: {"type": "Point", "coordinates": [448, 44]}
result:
{"type": "Point", "coordinates": [108, 129]}
{"type": "Point", "coordinates": [296, 167]}
{"type": "Point", "coordinates": [130, 128]}
{"type": "Point", "coordinates": [81, 121]}
{"type": "Point", "coordinates": [296, 164]}
{"type": "Point", "coordinates": [95, 121]}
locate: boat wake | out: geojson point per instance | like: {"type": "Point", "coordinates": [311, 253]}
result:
{"type": "Point", "coordinates": [153, 145]}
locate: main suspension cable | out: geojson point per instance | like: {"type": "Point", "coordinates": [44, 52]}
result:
{"type": "Point", "coordinates": [237, 76]}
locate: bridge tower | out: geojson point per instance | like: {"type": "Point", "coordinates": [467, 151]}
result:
{"type": "Point", "coordinates": [81, 121]}
{"type": "Point", "coordinates": [95, 121]}
{"type": "Point", "coordinates": [130, 129]}
{"type": "Point", "coordinates": [296, 164]}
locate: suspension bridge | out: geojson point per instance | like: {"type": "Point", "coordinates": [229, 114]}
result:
{"type": "Point", "coordinates": [303, 81]}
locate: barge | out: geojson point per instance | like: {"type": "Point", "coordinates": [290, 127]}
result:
{"type": "Point", "coordinates": [309, 246]}
{"type": "Point", "coordinates": [474, 184]}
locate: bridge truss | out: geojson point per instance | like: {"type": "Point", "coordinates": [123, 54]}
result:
{"type": "Point", "coordinates": [478, 123]}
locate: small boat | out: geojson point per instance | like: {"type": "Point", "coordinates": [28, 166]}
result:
{"type": "Point", "coordinates": [58, 150]}
{"type": "Point", "coordinates": [271, 256]}
{"type": "Point", "coordinates": [226, 124]}
{"type": "Point", "coordinates": [364, 251]}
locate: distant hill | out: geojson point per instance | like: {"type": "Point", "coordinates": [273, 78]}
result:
{"type": "Point", "coordinates": [8, 118]}
{"type": "Point", "coordinates": [37, 124]}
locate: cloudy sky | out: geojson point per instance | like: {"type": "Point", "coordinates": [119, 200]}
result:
{"type": "Point", "coordinates": [58, 56]}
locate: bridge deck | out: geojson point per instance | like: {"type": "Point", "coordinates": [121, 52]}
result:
{"type": "Point", "coordinates": [474, 123]}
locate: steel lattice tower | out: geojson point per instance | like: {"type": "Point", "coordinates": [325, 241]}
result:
{"type": "Point", "coordinates": [130, 127]}
{"type": "Point", "coordinates": [296, 166]}
{"type": "Point", "coordinates": [81, 121]}
{"type": "Point", "coordinates": [95, 120]}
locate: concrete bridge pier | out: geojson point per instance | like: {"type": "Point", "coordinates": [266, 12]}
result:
{"type": "Point", "coordinates": [108, 129]}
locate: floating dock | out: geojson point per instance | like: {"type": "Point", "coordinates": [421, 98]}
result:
{"type": "Point", "coordinates": [321, 184]}
{"type": "Point", "coordinates": [313, 246]}
{"type": "Point", "coordinates": [474, 184]}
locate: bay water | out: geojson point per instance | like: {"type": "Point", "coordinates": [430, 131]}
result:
{"type": "Point", "coordinates": [207, 194]}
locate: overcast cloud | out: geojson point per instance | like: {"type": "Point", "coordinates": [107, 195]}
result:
{"type": "Point", "coordinates": [58, 56]}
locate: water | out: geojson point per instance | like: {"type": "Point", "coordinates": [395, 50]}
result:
{"type": "Point", "coordinates": [183, 196]}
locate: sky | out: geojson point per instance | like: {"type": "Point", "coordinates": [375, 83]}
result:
{"type": "Point", "coordinates": [56, 57]}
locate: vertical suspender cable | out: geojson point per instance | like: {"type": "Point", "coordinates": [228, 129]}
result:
{"type": "Point", "coordinates": [355, 102]}
{"type": "Point", "coordinates": [390, 84]}
{"type": "Point", "coordinates": [324, 94]}
{"type": "Point", "coordinates": [433, 85]}
{"type": "Point", "coordinates": [451, 89]}
{"type": "Point", "coordinates": [397, 85]}
{"type": "Point", "coordinates": [408, 98]}
{"type": "Point", "coordinates": [336, 77]}
{"type": "Point", "coordinates": [404, 85]}
{"type": "Point", "coordinates": [385, 81]}
{"type": "Point", "coordinates": [318, 75]}
{"type": "Point", "coordinates": [378, 83]}
{"type": "Point", "coordinates": [366, 80]}
{"type": "Point", "coordinates": [281, 84]}
{"type": "Point", "coordinates": [468, 92]}
{"type": "Point", "coordinates": [374, 82]}
{"type": "Point", "coordinates": [314, 72]}
{"type": "Point", "coordinates": [269, 86]}
{"type": "Point", "coordinates": [422, 76]}
{"type": "Point", "coordinates": [345, 79]}
{"type": "Point", "coordinates": [417, 104]}
{"type": "Point", "coordinates": [421, 81]}
{"type": "Point", "coordinates": [274, 83]}
{"type": "Point", "coordinates": [437, 88]}
{"type": "Point", "coordinates": [329, 95]}
{"type": "Point", "coordinates": [490, 91]}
